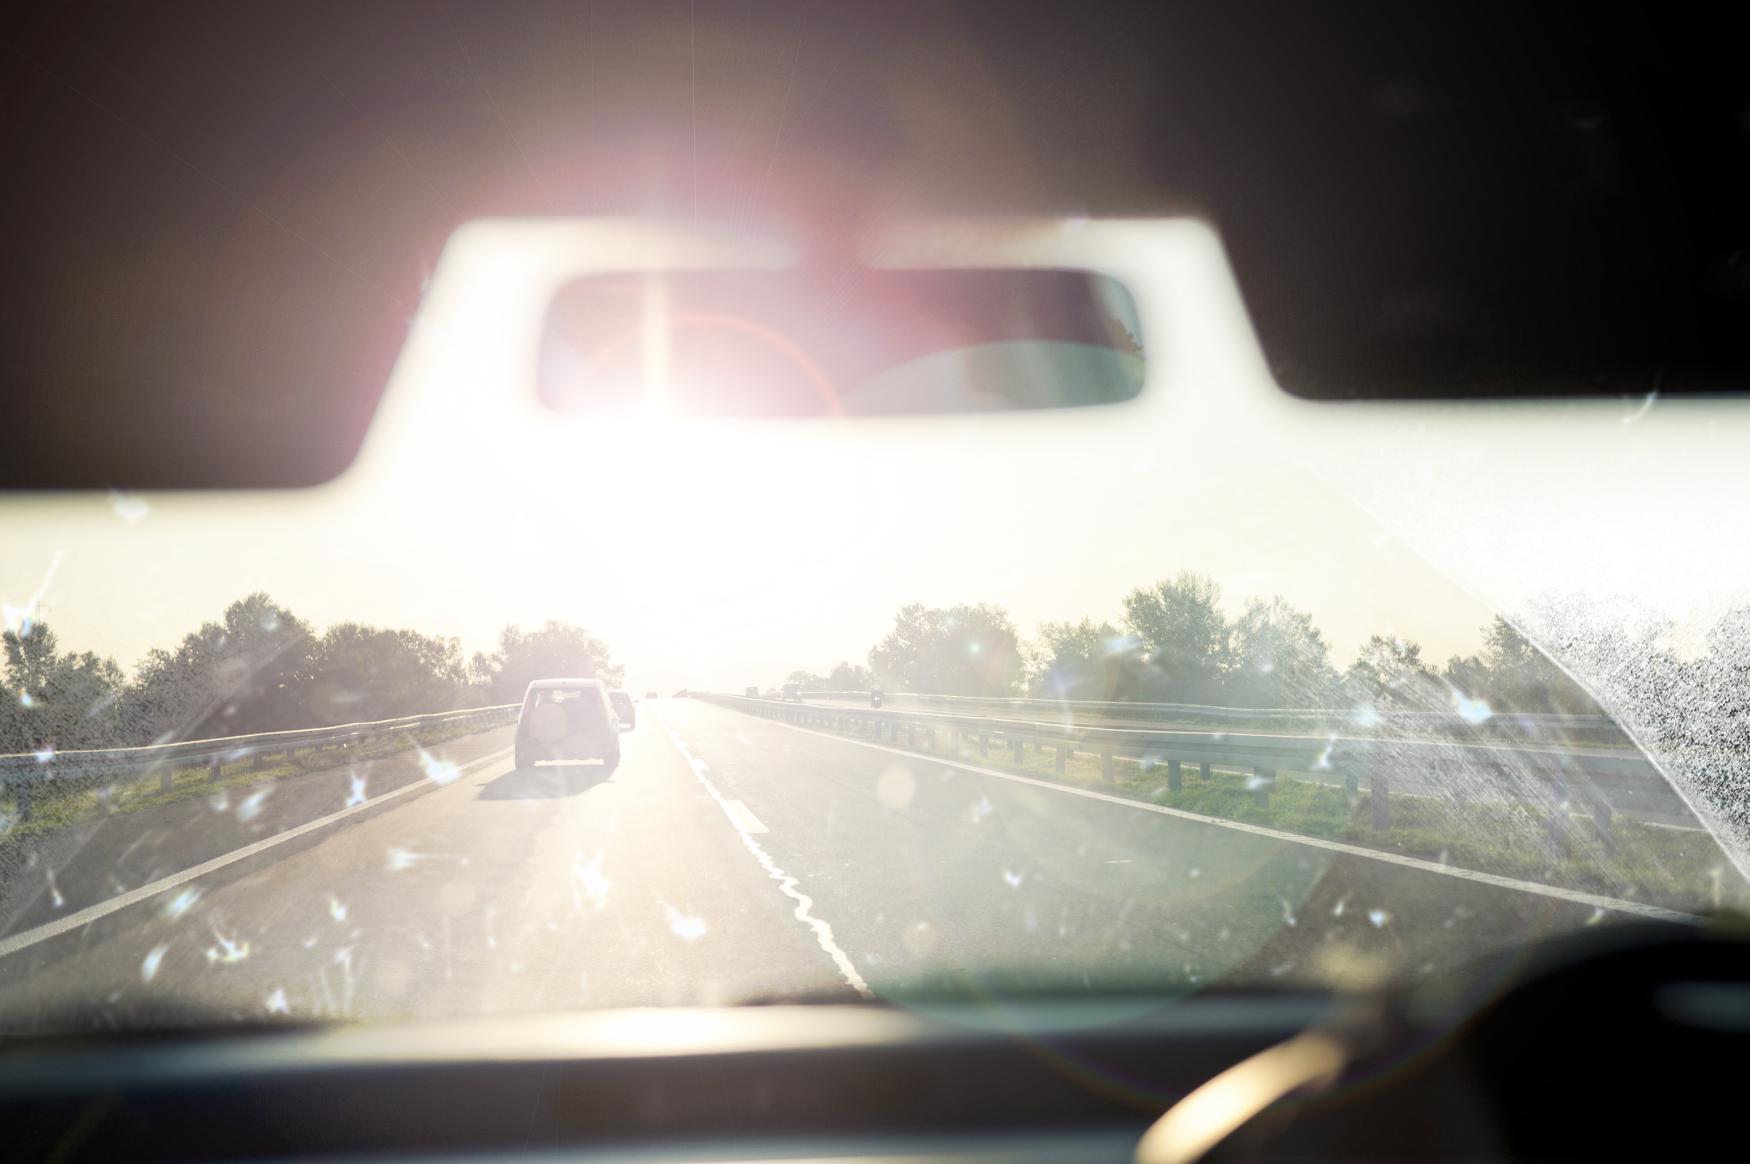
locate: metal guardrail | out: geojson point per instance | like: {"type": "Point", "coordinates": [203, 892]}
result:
{"type": "Point", "coordinates": [29, 774]}
{"type": "Point", "coordinates": [1600, 728]}
{"type": "Point", "coordinates": [1559, 776]}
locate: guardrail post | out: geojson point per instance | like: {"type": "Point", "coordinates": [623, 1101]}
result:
{"type": "Point", "coordinates": [258, 760]}
{"type": "Point", "coordinates": [1558, 817]}
{"type": "Point", "coordinates": [165, 771]}
{"type": "Point", "coordinates": [1603, 816]}
{"type": "Point", "coordinates": [213, 768]}
{"type": "Point", "coordinates": [1106, 766]}
{"type": "Point", "coordinates": [16, 774]}
{"type": "Point", "coordinates": [1263, 780]}
{"type": "Point", "coordinates": [1175, 778]}
{"type": "Point", "coordinates": [1062, 762]}
{"type": "Point", "coordinates": [983, 744]}
{"type": "Point", "coordinates": [1203, 770]}
{"type": "Point", "coordinates": [1018, 746]}
{"type": "Point", "coordinates": [1380, 787]}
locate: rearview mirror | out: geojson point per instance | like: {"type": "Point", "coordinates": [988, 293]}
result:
{"type": "Point", "coordinates": [839, 342]}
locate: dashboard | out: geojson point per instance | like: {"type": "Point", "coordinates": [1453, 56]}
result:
{"type": "Point", "coordinates": [1609, 1044]}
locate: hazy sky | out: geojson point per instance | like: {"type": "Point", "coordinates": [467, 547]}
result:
{"type": "Point", "coordinates": [724, 553]}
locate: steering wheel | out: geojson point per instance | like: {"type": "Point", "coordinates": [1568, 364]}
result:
{"type": "Point", "coordinates": [1623, 1042]}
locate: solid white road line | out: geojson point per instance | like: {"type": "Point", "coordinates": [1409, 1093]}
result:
{"type": "Point", "coordinates": [787, 884]}
{"type": "Point", "coordinates": [1596, 901]}
{"type": "Point", "coordinates": [91, 913]}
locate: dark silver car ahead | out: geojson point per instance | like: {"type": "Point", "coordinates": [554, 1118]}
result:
{"type": "Point", "coordinates": [621, 701]}
{"type": "Point", "coordinates": [567, 720]}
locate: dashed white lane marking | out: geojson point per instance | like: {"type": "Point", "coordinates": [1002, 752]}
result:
{"type": "Point", "coordinates": [91, 913]}
{"type": "Point", "coordinates": [742, 817]}
{"type": "Point", "coordinates": [787, 884]}
{"type": "Point", "coordinates": [1596, 901]}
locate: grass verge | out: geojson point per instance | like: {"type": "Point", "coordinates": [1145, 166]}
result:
{"type": "Point", "coordinates": [1634, 861]}
{"type": "Point", "coordinates": [54, 809]}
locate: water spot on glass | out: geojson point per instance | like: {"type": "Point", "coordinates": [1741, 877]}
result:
{"type": "Point", "coordinates": [438, 771]}
{"type": "Point", "coordinates": [251, 805]}
{"type": "Point", "coordinates": [154, 959]}
{"type": "Point", "coordinates": [225, 950]}
{"type": "Point", "coordinates": [1342, 904]}
{"type": "Point", "coordinates": [26, 699]}
{"type": "Point", "coordinates": [686, 927]}
{"type": "Point", "coordinates": [919, 939]}
{"type": "Point", "coordinates": [220, 801]}
{"type": "Point", "coordinates": [895, 788]}
{"type": "Point", "coordinates": [1195, 872]}
{"type": "Point", "coordinates": [1471, 710]}
{"type": "Point", "coordinates": [356, 794]}
{"type": "Point", "coordinates": [589, 883]}
{"type": "Point", "coordinates": [336, 908]}
{"type": "Point", "coordinates": [179, 905]}
{"type": "Point", "coordinates": [1597, 916]}
{"type": "Point", "coordinates": [1013, 879]}
{"type": "Point", "coordinates": [276, 1002]}
{"type": "Point", "coordinates": [1379, 917]}
{"type": "Point", "coordinates": [128, 507]}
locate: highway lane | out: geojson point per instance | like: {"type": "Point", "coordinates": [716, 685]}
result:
{"type": "Point", "coordinates": [732, 858]}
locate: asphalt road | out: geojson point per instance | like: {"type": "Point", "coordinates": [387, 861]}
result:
{"type": "Point", "coordinates": [728, 859]}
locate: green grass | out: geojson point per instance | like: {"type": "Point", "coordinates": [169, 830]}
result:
{"type": "Point", "coordinates": [1676, 869]}
{"type": "Point", "coordinates": [54, 809]}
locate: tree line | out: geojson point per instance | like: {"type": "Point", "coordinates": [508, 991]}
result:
{"type": "Point", "coordinates": [259, 667]}
{"type": "Point", "coordinates": [1176, 644]}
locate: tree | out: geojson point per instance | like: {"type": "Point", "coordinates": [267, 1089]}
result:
{"type": "Point", "coordinates": [963, 650]}
{"type": "Point", "coordinates": [1523, 678]}
{"type": "Point", "coordinates": [1390, 670]}
{"type": "Point", "coordinates": [1183, 635]}
{"type": "Point", "coordinates": [55, 699]}
{"type": "Point", "coordinates": [807, 681]}
{"type": "Point", "coordinates": [846, 676]}
{"type": "Point", "coordinates": [365, 673]}
{"type": "Point", "coordinates": [1077, 660]}
{"type": "Point", "coordinates": [1279, 658]}
{"type": "Point", "coordinates": [558, 650]}
{"type": "Point", "coordinates": [249, 672]}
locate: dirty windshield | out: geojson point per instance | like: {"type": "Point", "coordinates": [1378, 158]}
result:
{"type": "Point", "coordinates": [1023, 707]}
{"type": "Point", "coordinates": [1088, 663]}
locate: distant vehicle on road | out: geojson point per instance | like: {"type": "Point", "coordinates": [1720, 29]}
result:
{"type": "Point", "coordinates": [875, 697]}
{"type": "Point", "coordinates": [651, 695]}
{"type": "Point", "coordinates": [566, 720]}
{"type": "Point", "coordinates": [621, 701]}
{"type": "Point", "coordinates": [793, 693]}
{"type": "Point", "coordinates": [751, 692]}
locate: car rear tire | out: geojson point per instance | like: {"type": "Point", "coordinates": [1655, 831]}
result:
{"type": "Point", "coordinates": [611, 761]}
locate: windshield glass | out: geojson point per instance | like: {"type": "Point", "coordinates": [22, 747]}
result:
{"type": "Point", "coordinates": [1194, 686]}
{"type": "Point", "coordinates": [1173, 716]}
